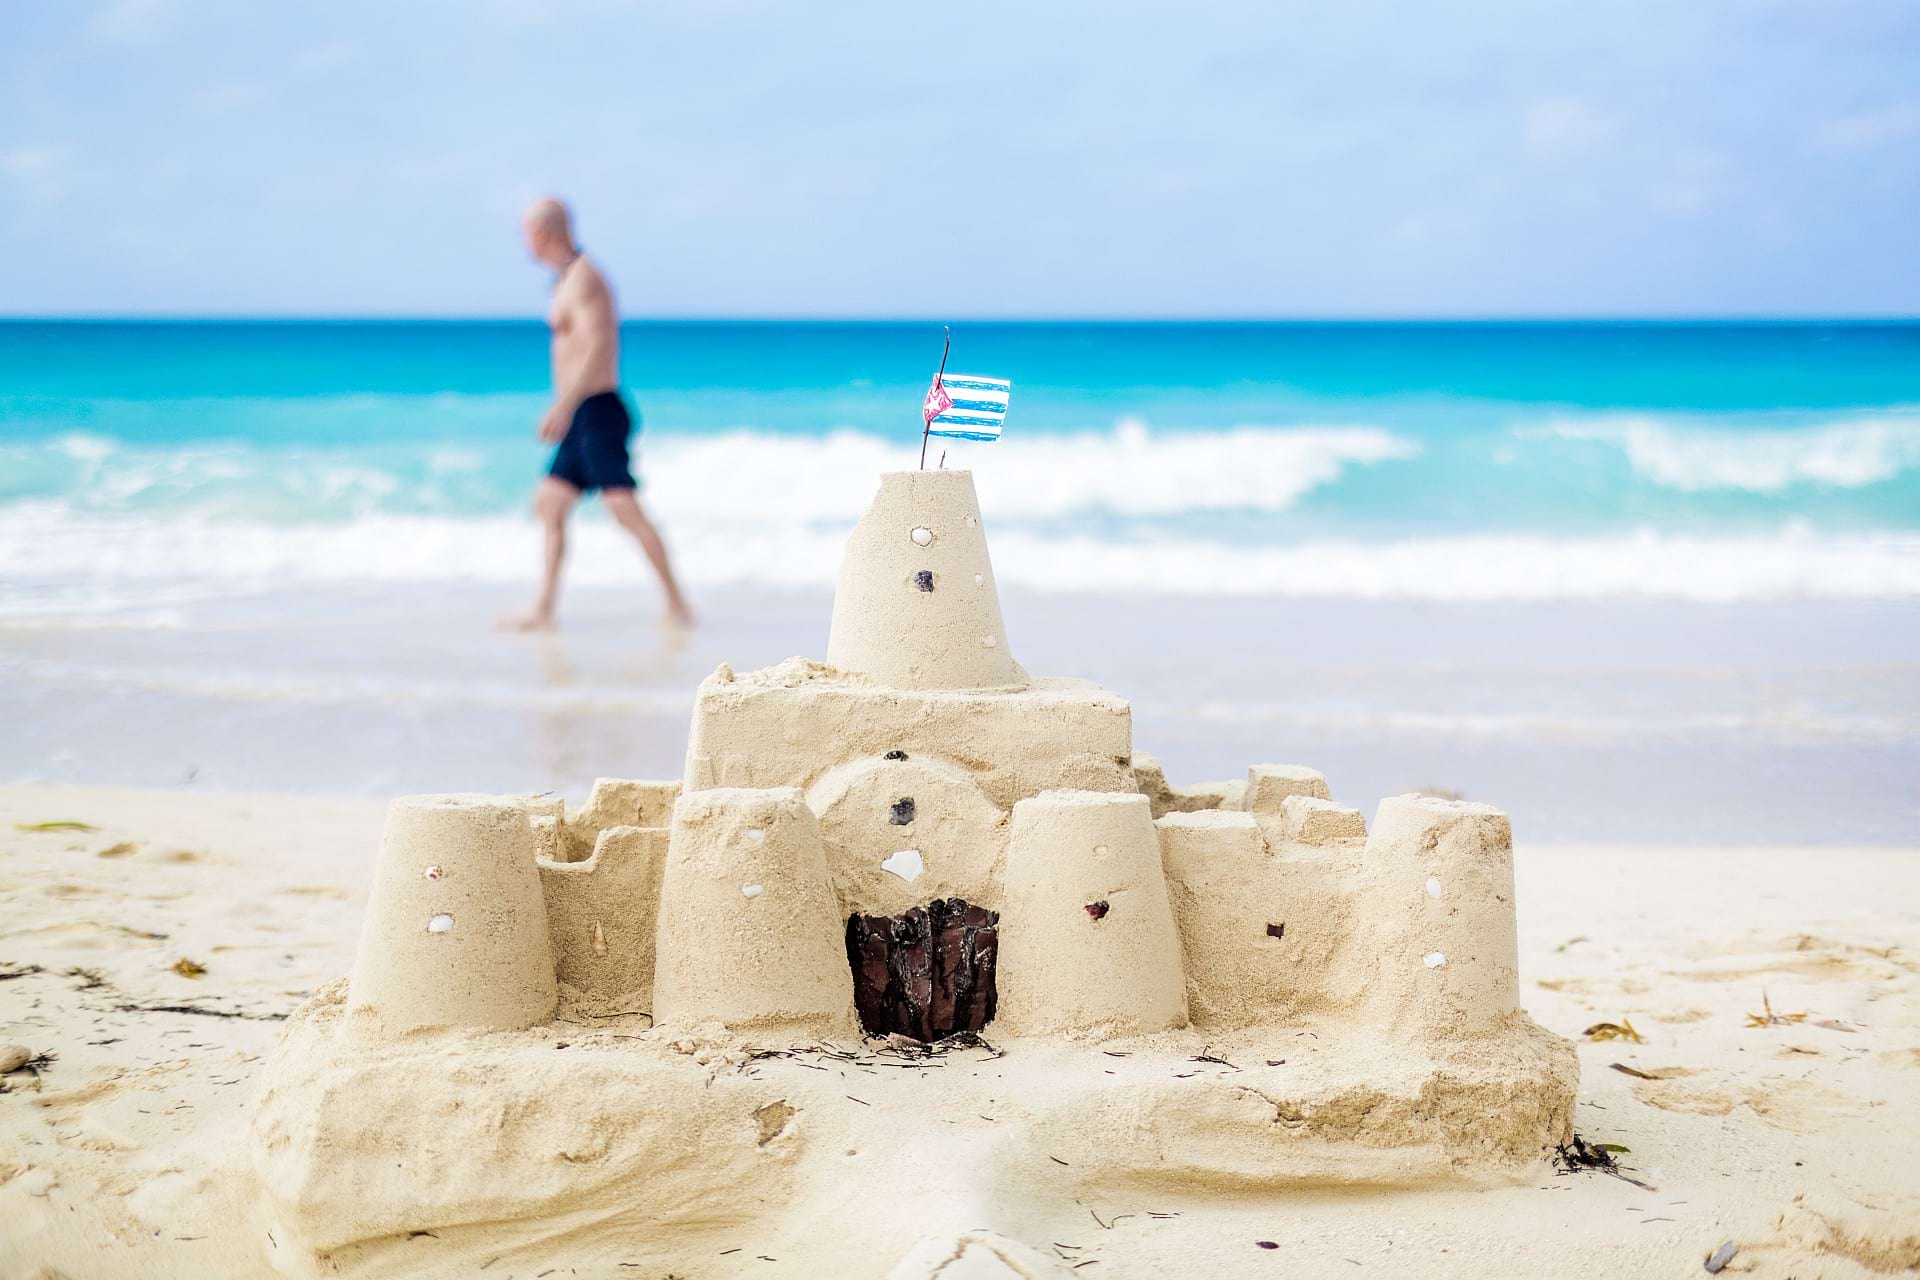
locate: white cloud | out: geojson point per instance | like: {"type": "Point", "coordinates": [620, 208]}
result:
{"type": "Point", "coordinates": [132, 21]}
{"type": "Point", "coordinates": [231, 96]}
{"type": "Point", "coordinates": [1566, 126]}
{"type": "Point", "coordinates": [27, 163]}
{"type": "Point", "coordinates": [1866, 130]}
{"type": "Point", "coordinates": [1686, 181]}
{"type": "Point", "coordinates": [35, 173]}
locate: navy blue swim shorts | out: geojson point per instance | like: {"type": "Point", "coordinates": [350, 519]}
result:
{"type": "Point", "coordinates": [593, 455]}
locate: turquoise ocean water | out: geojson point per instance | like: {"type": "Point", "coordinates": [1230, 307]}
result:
{"type": "Point", "coordinates": [1632, 581]}
{"type": "Point", "coordinates": [1470, 460]}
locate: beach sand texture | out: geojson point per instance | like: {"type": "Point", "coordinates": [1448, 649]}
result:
{"type": "Point", "coordinates": [127, 1154]}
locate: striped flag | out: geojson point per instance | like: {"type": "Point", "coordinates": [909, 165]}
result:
{"type": "Point", "coordinates": [964, 406]}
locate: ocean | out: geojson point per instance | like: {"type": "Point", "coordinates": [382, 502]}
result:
{"type": "Point", "coordinates": [1549, 564]}
{"type": "Point", "coordinates": [1429, 461]}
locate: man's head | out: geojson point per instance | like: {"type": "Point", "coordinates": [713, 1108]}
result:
{"type": "Point", "coordinates": [549, 231]}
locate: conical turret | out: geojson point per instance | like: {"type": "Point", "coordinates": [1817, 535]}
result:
{"type": "Point", "coordinates": [917, 607]}
{"type": "Point", "coordinates": [456, 928]}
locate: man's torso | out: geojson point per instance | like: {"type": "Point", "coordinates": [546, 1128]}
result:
{"type": "Point", "coordinates": [582, 307]}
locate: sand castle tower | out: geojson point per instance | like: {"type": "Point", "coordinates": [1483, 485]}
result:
{"type": "Point", "coordinates": [1087, 937]}
{"type": "Point", "coordinates": [1441, 910]}
{"type": "Point", "coordinates": [917, 607]}
{"type": "Point", "coordinates": [456, 930]}
{"type": "Point", "coordinates": [749, 928]}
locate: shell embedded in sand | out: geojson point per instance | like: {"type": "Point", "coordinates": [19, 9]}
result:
{"type": "Point", "coordinates": [906, 864]}
{"type": "Point", "coordinates": [442, 923]}
{"type": "Point", "coordinates": [13, 1057]}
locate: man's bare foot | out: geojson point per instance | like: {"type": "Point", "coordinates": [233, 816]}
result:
{"type": "Point", "coordinates": [530, 620]}
{"type": "Point", "coordinates": [678, 615]}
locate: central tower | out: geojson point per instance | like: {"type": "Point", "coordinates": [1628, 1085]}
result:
{"type": "Point", "coordinates": [917, 607]}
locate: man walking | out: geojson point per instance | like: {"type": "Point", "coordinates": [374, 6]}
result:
{"type": "Point", "coordinates": [588, 420]}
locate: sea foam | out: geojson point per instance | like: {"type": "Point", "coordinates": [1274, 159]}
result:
{"type": "Point", "coordinates": [45, 541]}
{"type": "Point", "coordinates": [1848, 454]}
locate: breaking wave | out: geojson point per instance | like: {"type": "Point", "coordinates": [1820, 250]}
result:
{"type": "Point", "coordinates": [1849, 454]}
{"type": "Point", "coordinates": [87, 552]}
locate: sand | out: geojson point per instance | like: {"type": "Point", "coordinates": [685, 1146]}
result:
{"type": "Point", "coordinates": [128, 1156]}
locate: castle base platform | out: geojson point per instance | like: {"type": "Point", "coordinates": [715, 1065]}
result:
{"type": "Point", "coordinates": [672, 1149]}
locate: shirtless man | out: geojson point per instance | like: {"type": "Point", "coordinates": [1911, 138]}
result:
{"type": "Point", "coordinates": [588, 419]}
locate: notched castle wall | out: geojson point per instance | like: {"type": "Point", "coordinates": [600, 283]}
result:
{"type": "Point", "coordinates": [602, 912]}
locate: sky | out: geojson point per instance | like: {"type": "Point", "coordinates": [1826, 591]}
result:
{"type": "Point", "coordinates": [730, 158]}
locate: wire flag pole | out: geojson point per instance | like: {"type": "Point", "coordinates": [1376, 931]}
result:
{"type": "Point", "coordinates": [927, 413]}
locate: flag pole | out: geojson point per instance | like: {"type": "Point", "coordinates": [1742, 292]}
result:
{"type": "Point", "coordinates": [926, 423]}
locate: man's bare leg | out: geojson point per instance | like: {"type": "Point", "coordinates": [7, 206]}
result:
{"type": "Point", "coordinates": [624, 506]}
{"type": "Point", "coordinates": [553, 502]}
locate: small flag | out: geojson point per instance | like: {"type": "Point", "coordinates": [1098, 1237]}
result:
{"type": "Point", "coordinates": [965, 406]}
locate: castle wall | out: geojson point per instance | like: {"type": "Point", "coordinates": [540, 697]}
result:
{"type": "Point", "coordinates": [1268, 785]}
{"type": "Point", "coordinates": [602, 912]}
{"type": "Point", "coordinates": [786, 725]}
{"type": "Point", "coordinates": [456, 925]}
{"type": "Point", "coordinates": [750, 933]}
{"type": "Point", "coordinates": [1087, 936]}
{"type": "Point", "coordinates": [901, 833]}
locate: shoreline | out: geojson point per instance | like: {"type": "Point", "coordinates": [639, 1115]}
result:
{"type": "Point", "coordinates": [1635, 722]}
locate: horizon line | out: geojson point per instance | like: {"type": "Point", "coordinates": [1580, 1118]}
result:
{"type": "Point", "coordinates": [1436, 318]}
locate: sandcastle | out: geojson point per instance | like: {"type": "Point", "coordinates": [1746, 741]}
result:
{"type": "Point", "coordinates": [664, 1021]}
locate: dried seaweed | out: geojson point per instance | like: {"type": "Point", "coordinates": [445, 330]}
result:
{"type": "Point", "coordinates": [58, 824]}
{"type": "Point", "coordinates": [12, 971]}
{"type": "Point", "coordinates": [1580, 1156]}
{"type": "Point", "coordinates": [38, 1063]}
{"type": "Point", "coordinates": [1621, 1030]}
{"type": "Point", "coordinates": [188, 968]}
{"type": "Point", "coordinates": [1769, 1018]}
{"type": "Point", "coordinates": [199, 1011]}
{"type": "Point", "coordinates": [90, 979]}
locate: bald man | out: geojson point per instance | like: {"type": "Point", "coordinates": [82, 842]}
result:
{"type": "Point", "coordinates": [588, 420]}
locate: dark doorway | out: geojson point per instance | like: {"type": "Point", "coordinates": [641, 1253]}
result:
{"type": "Point", "coordinates": [926, 973]}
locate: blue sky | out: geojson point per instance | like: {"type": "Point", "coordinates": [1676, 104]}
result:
{"type": "Point", "coordinates": [1026, 159]}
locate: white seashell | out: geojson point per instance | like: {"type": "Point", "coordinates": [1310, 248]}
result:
{"type": "Point", "coordinates": [1434, 959]}
{"type": "Point", "coordinates": [442, 923]}
{"type": "Point", "coordinates": [907, 864]}
{"type": "Point", "coordinates": [752, 890]}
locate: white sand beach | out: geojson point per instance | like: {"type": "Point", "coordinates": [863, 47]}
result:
{"type": "Point", "coordinates": [125, 1155]}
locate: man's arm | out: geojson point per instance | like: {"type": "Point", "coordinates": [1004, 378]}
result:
{"type": "Point", "coordinates": [591, 313]}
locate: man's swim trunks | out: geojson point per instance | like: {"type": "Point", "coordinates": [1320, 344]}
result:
{"type": "Point", "coordinates": [593, 455]}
